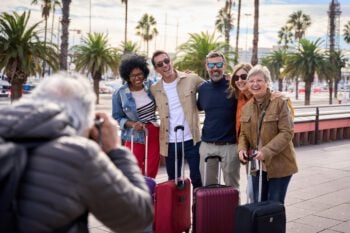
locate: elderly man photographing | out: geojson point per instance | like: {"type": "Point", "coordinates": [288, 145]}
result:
{"type": "Point", "coordinates": [218, 133]}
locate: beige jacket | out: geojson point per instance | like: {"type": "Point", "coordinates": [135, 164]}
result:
{"type": "Point", "coordinates": [187, 88]}
{"type": "Point", "coordinates": [276, 134]}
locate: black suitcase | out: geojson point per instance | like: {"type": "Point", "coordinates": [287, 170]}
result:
{"type": "Point", "coordinates": [260, 217]}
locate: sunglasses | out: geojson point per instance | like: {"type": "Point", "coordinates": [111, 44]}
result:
{"type": "Point", "coordinates": [161, 63]}
{"type": "Point", "coordinates": [242, 76]}
{"type": "Point", "coordinates": [217, 64]}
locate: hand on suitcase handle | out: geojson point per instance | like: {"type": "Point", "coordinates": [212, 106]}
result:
{"type": "Point", "coordinates": [138, 126]}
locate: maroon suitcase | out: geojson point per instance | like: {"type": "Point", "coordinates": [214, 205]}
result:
{"type": "Point", "coordinates": [214, 206]}
{"type": "Point", "coordinates": [173, 201]}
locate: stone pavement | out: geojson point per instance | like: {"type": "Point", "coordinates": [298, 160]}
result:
{"type": "Point", "coordinates": [318, 198]}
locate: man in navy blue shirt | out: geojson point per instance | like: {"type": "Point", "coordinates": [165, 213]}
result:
{"type": "Point", "coordinates": [218, 133]}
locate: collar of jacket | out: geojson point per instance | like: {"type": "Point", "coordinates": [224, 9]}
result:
{"type": "Point", "coordinates": [266, 101]}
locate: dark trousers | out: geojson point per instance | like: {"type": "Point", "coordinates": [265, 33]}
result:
{"type": "Point", "coordinates": [192, 158]}
{"type": "Point", "coordinates": [273, 189]}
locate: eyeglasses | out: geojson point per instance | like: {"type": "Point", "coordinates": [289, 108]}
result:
{"type": "Point", "coordinates": [141, 75]}
{"type": "Point", "coordinates": [161, 63]}
{"type": "Point", "coordinates": [217, 64]}
{"type": "Point", "coordinates": [242, 76]}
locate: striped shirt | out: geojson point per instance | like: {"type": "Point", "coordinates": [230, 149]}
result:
{"type": "Point", "coordinates": [145, 106]}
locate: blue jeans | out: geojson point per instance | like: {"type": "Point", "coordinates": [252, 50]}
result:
{"type": "Point", "coordinates": [192, 158]}
{"type": "Point", "coordinates": [273, 189]}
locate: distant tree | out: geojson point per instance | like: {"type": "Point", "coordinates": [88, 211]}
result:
{"type": "Point", "coordinates": [146, 29]}
{"type": "Point", "coordinates": [129, 47]}
{"type": "Point", "coordinates": [95, 56]}
{"type": "Point", "coordinates": [22, 50]}
{"type": "Point", "coordinates": [347, 32]}
{"type": "Point", "coordinates": [285, 36]}
{"type": "Point", "coordinates": [46, 7]}
{"type": "Point", "coordinates": [125, 21]}
{"type": "Point", "coordinates": [65, 34]}
{"type": "Point", "coordinates": [338, 60]}
{"type": "Point", "coordinates": [192, 54]}
{"type": "Point", "coordinates": [224, 22]}
{"type": "Point", "coordinates": [238, 24]}
{"type": "Point", "coordinates": [275, 62]}
{"type": "Point", "coordinates": [305, 62]}
{"type": "Point", "coordinates": [254, 59]}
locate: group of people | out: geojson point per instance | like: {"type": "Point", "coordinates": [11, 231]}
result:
{"type": "Point", "coordinates": [71, 174]}
{"type": "Point", "coordinates": [232, 106]}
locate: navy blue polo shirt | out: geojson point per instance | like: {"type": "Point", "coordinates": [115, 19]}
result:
{"type": "Point", "coordinates": [220, 112]}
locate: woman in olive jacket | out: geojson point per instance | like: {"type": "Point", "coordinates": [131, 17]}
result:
{"type": "Point", "coordinates": [275, 147]}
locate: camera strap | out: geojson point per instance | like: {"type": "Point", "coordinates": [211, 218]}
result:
{"type": "Point", "coordinates": [261, 118]}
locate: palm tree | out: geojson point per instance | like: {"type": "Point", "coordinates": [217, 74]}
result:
{"type": "Point", "coordinates": [129, 47]}
{"type": "Point", "coordinates": [238, 24]}
{"type": "Point", "coordinates": [299, 22]}
{"type": "Point", "coordinates": [125, 21]}
{"type": "Point", "coordinates": [94, 56]}
{"type": "Point", "coordinates": [224, 22]}
{"type": "Point", "coordinates": [308, 60]}
{"type": "Point", "coordinates": [275, 62]}
{"type": "Point", "coordinates": [192, 54]}
{"type": "Point", "coordinates": [285, 36]}
{"type": "Point", "coordinates": [347, 32]}
{"type": "Point", "coordinates": [65, 34]}
{"type": "Point", "coordinates": [146, 29]}
{"type": "Point", "coordinates": [338, 60]}
{"type": "Point", "coordinates": [254, 59]}
{"type": "Point", "coordinates": [22, 50]}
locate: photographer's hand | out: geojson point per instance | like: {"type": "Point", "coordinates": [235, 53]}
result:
{"type": "Point", "coordinates": [243, 157]}
{"type": "Point", "coordinates": [109, 130]}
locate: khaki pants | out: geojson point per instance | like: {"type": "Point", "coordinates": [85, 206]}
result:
{"type": "Point", "coordinates": [230, 163]}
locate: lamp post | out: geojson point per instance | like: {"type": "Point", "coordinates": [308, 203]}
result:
{"type": "Point", "coordinates": [246, 35]}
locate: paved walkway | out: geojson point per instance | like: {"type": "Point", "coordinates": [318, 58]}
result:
{"type": "Point", "coordinates": [318, 199]}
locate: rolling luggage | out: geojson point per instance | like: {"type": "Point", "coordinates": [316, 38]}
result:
{"type": "Point", "coordinates": [214, 205]}
{"type": "Point", "coordinates": [260, 217]}
{"type": "Point", "coordinates": [173, 200]}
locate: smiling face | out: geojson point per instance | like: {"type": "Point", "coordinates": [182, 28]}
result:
{"type": "Point", "coordinates": [216, 67]}
{"type": "Point", "coordinates": [257, 85]}
{"type": "Point", "coordinates": [136, 79]}
{"type": "Point", "coordinates": [163, 66]}
{"type": "Point", "coordinates": [240, 79]}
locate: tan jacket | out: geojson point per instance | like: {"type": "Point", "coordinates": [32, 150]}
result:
{"type": "Point", "coordinates": [187, 88]}
{"type": "Point", "coordinates": [276, 134]}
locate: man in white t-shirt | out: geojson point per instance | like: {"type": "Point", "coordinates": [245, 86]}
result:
{"type": "Point", "coordinates": [175, 96]}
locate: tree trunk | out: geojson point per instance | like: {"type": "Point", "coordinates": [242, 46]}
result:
{"type": "Point", "coordinates": [254, 59]}
{"type": "Point", "coordinates": [65, 34]}
{"type": "Point", "coordinates": [97, 77]}
{"type": "Point", "coordinates": [296, 88]}
{"type": "Point", "coordinates": [126, 25]}
{"type": "Point", "coordinates": [238, 26]}
{"type": "Point", "coordinates": [45, 39]}
{"type": "Point", "coordinates": [308, 85]}
{"type": "Point", "coordinates": [330, 84]}
{"type": "Point", "coordinates": [280, 84]}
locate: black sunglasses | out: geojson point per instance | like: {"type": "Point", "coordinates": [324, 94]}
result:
{"type": "Point", "coordinates": [161, 63]}
{"type": "Point", "coordinates": [242, 76]}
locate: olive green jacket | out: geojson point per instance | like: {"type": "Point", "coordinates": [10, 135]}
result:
{"type": "Point", "coordinates": [187, 89]}
{"type": "Point", "coordinates": [276, 134]}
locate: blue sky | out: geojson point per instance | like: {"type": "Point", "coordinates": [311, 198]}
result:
{"type": "Point", "coordinates": [176, 18]}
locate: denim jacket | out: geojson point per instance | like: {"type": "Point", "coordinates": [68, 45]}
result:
{"type": "Point", "coordinates": [124, 109]}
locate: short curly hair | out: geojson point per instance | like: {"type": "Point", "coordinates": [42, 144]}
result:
{"type": "Point", "coordinates": [130, 62]}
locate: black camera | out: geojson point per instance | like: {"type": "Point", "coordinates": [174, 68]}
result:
{"type": "Point", "coordinates": [253, 163]}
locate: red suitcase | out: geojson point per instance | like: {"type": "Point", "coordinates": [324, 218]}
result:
{"type": "Point", "coordinates": [214, 205]}
{"type": "Point", "coordinates": [173, 201]}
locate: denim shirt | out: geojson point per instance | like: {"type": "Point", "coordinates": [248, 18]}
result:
{"type": "Point", "coordinates": [124, 109]}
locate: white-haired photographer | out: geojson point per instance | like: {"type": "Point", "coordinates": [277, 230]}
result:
{"type": "Point", "coordinates": [68, 175]}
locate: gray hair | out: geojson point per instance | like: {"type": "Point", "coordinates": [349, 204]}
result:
{"type": "Point", "coordinates": [264, 71]}
{"type": "Point", "coordinates": [72, 91]}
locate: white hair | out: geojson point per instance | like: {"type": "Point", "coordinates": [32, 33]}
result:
{"type": "Point", "coordinates": [72, 91]}
{"type": "Point", "coordinates": [259, 69]}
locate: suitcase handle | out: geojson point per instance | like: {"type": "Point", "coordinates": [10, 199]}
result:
{"type": "Point", "coordinates": [206, 167]}
{"type": "Point", "coordinates": [145, 131]}
{"type": "Point", "coordinates": [180, 185]}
